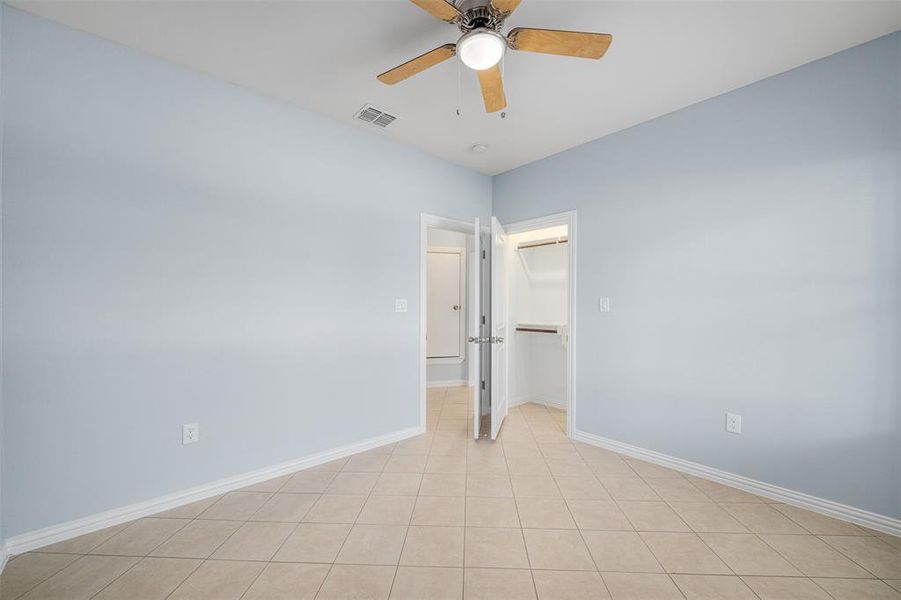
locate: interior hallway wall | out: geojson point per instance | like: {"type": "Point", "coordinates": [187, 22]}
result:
{"type": "Point", "coordinates": [177, 249]}
{"type": "Point", "coordinates": [750, 248]}
{"type": "Point", "coordinates": [436, 373]}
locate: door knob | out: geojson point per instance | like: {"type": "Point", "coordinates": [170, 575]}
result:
{"type": "Point", "coordinates": [456, 307]}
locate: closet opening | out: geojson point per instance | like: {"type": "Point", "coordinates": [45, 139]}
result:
{"type": "Point", "coordinates": [538, 315]}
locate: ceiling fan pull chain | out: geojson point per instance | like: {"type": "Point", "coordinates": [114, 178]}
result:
{"type": "Point", "coordinates": [503, 74]}
{"type": "Point", "coordinates": [459, 90]}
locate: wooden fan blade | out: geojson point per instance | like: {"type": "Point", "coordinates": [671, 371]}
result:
{"type": "Point", "coordinates": [492, 89]}
{"type": "Point", "coordinates": [418, 64]}
{"type": "Point", "coordinates": [563, 43]}
{"type": "Point", "coordinates": [505, 6]}
{"type": "Point", "coordinates": [440, 9]}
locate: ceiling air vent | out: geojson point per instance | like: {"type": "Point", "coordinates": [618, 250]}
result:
{"type": "Point", "coordinates": [374, 116]}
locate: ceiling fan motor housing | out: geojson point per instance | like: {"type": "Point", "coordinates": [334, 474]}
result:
{"type": "Point", "coordinates": [479, 14]}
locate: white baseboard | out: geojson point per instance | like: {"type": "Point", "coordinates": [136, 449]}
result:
{"type": "Point", "coordinates": [555, 402]}
{"type": "Point", "coordinates": [4, 556]}
{"type": "Point", "coordinates": [561, 404]}
{"type": "Point", "coordinates": [819, 505]}
{"type": "Point", "coordinates": [511, 402]}
{"type": "Point", "coordinates": [57, 533]}
{"type": "Point", "coordinates": [448, 383]}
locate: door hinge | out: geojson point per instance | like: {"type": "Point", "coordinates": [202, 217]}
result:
{"type": "Point", "coordinates": [483, 384]}
{"type": "Point", "coordinates": [483, 319]}
{"type": "Point", "coordinates": [483, 255]}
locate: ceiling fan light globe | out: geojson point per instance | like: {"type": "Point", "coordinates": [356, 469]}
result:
{"type": "Point", "coordinates": [481, 49]}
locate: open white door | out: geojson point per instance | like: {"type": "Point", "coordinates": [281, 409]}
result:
{"type": "Point", "coordinates": [500, 257]}
{"type": "Point", "coordinates": [475, 312]}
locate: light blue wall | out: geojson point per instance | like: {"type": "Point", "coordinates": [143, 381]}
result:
{"type": "Point", "coordinates": [750, 248]}
{"type": "Point", "coordinates": [2, 435]}
{"type": "Point", "coordinates": [178, 249]}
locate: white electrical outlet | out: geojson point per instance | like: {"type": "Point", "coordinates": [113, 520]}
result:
{"type": "Point", "coordinates": [603, 304]}
{"type": "Point", "coordinates": [190, 433]}
{"type": "Point", "coordinates": [400, 305]}
{"type": "Point", "coordinates": [733, 423]}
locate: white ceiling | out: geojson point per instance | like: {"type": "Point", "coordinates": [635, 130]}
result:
{"type": "Point", "coordinates": [324, 56]}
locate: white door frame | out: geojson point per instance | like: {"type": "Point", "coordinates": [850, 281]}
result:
{"type": "Point", "coordinates": [564, 218]}
{"type": "Point", "coordinates": [425, 222]}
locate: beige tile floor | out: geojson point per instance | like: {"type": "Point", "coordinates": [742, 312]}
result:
{"type": "Point", "coordinates": [442, 516]}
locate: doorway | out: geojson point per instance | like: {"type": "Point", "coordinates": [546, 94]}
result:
{"type": "Point", "coordinates": [538, 347]}
{"type": "Point", "coordinates": [542, 314]}
{"type": "Point", "coordinates": [532, 339]}
{"type": "Point", "coordinates": [450, 365]}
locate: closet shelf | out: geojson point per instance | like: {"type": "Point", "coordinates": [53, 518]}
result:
{"type": "Point", "coordinates": [540, 328]}
{"type": "Point", "coordinates": [545, 242]}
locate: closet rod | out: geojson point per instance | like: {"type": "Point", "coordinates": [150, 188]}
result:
{"type": "Point", "coordinates": [539, 243]}
{"type": "Point", "coordinates": [534, 330]}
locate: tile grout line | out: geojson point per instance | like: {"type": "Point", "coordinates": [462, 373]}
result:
{"type": "Point", "coordinates": [406, 531]}
{"type": "Point", "coordinates": [225, 541]}
{"type": "Point", "coordinates": [228, 537]}
{"type": "Point", "coordinates": [656, 558]}
{"type": "Point", "coordinates": [701, 539]}
{"type": "Point", "coordinates": [354, 524]}
{"type": "Point", "coordinates": [465, 495]}
{"type": "Point", "coordinates": [140, 558]}
{"type": "Point", "coordinates": [758, 535]}
{"type": "Point", "coordinates": [57, 572]}
{"type": "Point", "coordinates": [516, 508]}
{"type": "Point", "coordinates": [582, 537]}
{"type": "Point", "coordinates": [713, 550]}
{"type": "Point", "coordinates": [209, 557]}
{"type": "Point", "coordinates": [791, 562]}
{"type": "Point", "coordinates": [280, 546]}
{"type": "Point", "coordinates": [516, 504]}
{"type": "Point", "coordinates": [569, 512]}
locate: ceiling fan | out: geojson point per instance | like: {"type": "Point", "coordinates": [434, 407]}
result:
{"type": "Point", "coordinates": [482, 45]}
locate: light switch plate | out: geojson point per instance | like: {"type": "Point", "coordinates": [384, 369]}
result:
{"type": "Point", "coordinates": [733, 423]}
{"type": "Point", "coordinates": [400, 305]}
{"type": "Point", "coordinates": [604, 304]}
{"type": "Point", "coordinates": [190, 433]}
